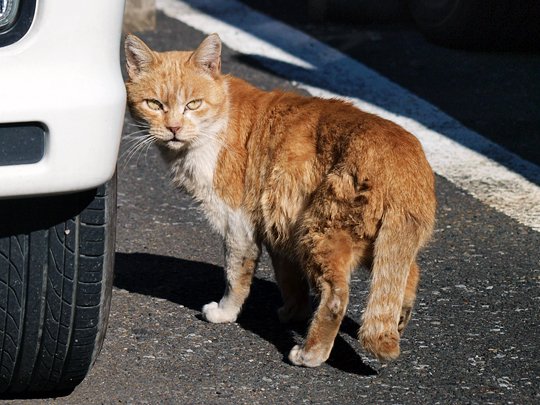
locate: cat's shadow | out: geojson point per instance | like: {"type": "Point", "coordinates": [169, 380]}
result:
{"type": "Point", "coordinates": [193, 284]}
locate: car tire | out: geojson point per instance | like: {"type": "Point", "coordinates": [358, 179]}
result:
{"type": "Point", "coordinates": [56, 271]}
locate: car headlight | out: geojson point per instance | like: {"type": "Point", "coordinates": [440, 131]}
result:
{"type": "Point", "coordinates": [8, 13]}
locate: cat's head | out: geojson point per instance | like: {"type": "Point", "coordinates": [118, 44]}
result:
{"type": "Point", "coordinates": [180, 95]}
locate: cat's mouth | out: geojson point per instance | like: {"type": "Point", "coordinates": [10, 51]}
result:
{"type": "Point", "coordinates": [175, 143]}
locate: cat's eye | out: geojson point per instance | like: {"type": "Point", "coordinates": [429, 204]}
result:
{"type": "Point", "coordinates": [193, 104]}
{"type": "Point", "coordinates": [154, 105]}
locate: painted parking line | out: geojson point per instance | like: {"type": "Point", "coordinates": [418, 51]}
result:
{"type": "Point", "coordinates": [484, 169]}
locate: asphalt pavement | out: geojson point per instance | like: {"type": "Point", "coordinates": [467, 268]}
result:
{"type": "Point", "coordinates": [474, 335]}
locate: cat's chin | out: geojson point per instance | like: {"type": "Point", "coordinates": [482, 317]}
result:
{"type": "Point", "coordinates": [175, 144]}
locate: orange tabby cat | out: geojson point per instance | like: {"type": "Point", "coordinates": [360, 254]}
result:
{"type": "Point", "coordinates": [324, 186]}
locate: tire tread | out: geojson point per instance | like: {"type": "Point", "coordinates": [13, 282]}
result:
{"type": "Point", "coordinates": [52, 293]}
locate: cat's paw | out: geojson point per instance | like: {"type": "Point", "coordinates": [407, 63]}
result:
{"type": "Point", "coordinates": [214, 314]}
{"type": "Point", "coordinates": [385, 345]}
{"type": "Point", "coordinates": [312, 358]}
{"type": "Point", "coordinates": [292, 314]}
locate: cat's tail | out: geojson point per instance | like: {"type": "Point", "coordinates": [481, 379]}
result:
{"type": "Point", "coordinates": [393, 281]}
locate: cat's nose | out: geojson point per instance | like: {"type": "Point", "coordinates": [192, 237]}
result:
{"type": "Point", "coordinates": [174, 130]}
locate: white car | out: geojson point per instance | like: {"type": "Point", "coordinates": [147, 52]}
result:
{"type": "Point", "coordinates": [62, 102]}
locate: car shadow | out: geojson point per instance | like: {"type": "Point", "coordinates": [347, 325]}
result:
{"type": "Point", "coordinates": [35, 396]}
{"type": "Point", "coordinates": [193, 284]}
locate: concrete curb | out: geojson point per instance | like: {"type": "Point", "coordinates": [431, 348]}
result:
{"type": "Point", "coordinates": [140, 15]}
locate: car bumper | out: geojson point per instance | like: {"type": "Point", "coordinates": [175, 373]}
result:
{"type": "Point", "coordinates": [65, 74]}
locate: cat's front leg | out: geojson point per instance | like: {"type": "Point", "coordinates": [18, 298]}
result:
{"type": "Point", "coordinates": [241, 256]}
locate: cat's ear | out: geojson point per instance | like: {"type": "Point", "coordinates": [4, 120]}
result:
{"type": "Point", "coordinates": [208, 55]}
{"type": "Point", "coordinates": [138, 56]}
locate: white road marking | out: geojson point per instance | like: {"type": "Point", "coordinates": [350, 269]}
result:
{"type": "Point", "coordinates": [457, 153]}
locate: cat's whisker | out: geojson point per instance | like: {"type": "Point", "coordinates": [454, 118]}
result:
{"type": "Point", "coordinates": [131, 155]}
{"type": "Point", "coordinates": [141, 128]}
{"type": "Point", "coordinates": [132, 140]}
{"type": "Point", "coordinates": [137, 128]}
{"type": "Point", "coordinates": [140, 142]}
{"type": "Point", "coordinates": [137, 123]}
{"type": "Point", "coordinates": [145, 146]}
{"type": "Point", "coordinates": [136, 134]}
{"type": "Point", "coordinates": [129, 124]}
{"type": "Point", "coordinates": [148, 146]}
{"type": "Point", "coordinates": [137, 137]}
{"type": "Point", "coordinates": [127, 156]}
{"type": "Point", "coordinates": [138, 145]}
{"type": "Point", "coordinates": [133, 137]}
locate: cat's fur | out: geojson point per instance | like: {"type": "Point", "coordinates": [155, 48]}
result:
{"type": "Point", "coordinates": [324, 186]}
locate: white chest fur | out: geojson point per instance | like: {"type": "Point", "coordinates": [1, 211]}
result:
{"type": "Point", "coordinates": [195, 172]}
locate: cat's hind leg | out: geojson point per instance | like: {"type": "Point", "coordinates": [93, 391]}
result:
{"type": "Point", "coordinates": [329, 260]}
{"type": "Point", "coordinates": [294, 289]}
{"type": "Point", "coordinates": [241, 257]}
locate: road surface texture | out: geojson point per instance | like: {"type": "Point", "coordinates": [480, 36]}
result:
{"type": "Point", "coordinates": [474, 336]}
